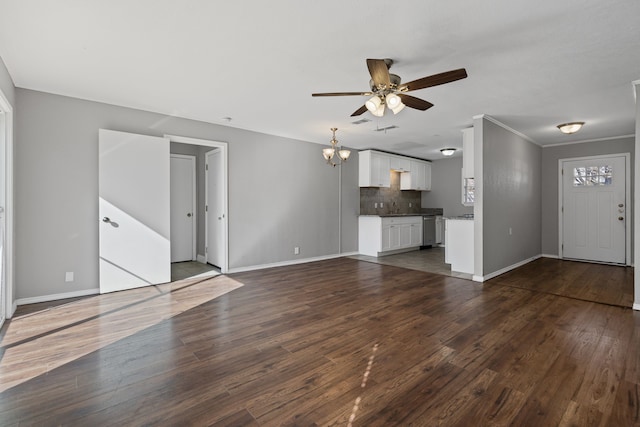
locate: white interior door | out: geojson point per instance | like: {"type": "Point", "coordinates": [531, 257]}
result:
{"type": "Point", "coordinates": [215, 201]}
{"type": "Point", "coordinates": [183, 208]}
{"type": "Point", "coordinates": [594, 209]}
{"type": "Point", "coordinates": [134, 210]}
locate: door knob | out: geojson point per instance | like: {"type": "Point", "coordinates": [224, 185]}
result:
{"type": "Point", "coordinates": [189, 215]}
{"type": "Point", "coordinates": [620, 205]}
{"type": "Point", "coordinates": [620, 218]}
{"type": "Point", "coordinates": [106, 219]}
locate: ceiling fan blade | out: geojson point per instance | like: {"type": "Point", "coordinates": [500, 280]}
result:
{"type": "Point", "coordinates": [434, 80]}
{"type": "Point", "coordinates": [413, 102]}
{"type": "Point", "coordinates": [359, 111]}
{"type": "Point", "coordinates": [379, 72]}
{"type": "Point", "coordinates": [343, 94]}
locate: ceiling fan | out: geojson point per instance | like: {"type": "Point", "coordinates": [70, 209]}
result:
{"type": "Point", "coordinates": [387, 89]}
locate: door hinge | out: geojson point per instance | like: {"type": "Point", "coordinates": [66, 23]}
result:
{"type": "Point", "coordinates": [206, 167]}
{"type": "Point", "coordinates": [206, 250]}
{"type": "Point", "coordinates": [562, 209]}
{"type": "Point", "coordinates": [206, 208]}
{"type": "Point", "coordinates": [562, 171]}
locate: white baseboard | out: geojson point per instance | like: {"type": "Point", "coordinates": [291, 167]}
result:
{"type": "Point", "coordinates": [201, 259]}
{"type": "Point", "coordinates": [45, 298]}
{"type": "Point", "coordinates": [290, 262]}
{"type": "Point", "coordinates": [636, 306]}
{"type": "Point", "coordinates": [504, 270]}
{"type": "Point", "coordinates": [550, 256]}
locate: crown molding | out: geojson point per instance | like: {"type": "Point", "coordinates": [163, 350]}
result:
{"type": "Point", "coordinates": [505, 127]}
{"type": "Point", "coordinates": [589, 140]}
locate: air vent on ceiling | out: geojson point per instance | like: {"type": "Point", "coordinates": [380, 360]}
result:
{"type": "Point", "coordinates": [361, 121]}
{"type": "Point", "coordinates": [385, 129]}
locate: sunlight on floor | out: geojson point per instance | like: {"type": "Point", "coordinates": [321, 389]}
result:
{"type": "Point", "coordinates": [39, 342]}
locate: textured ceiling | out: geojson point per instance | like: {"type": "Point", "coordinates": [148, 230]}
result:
{"type": "Point", "coordinates": [531, 65]}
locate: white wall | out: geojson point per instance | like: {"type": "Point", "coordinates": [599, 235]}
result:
{"type": "Point", "coordinates": [276, 202]}
{"type": "Point", "coordinates": [511, 197]}
{"type": "Point", "coordinates": [446, 188]}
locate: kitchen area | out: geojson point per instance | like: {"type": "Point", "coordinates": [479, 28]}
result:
{"type": "Point", "coordinates": [418, 214]}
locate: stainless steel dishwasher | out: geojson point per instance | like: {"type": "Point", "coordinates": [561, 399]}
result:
{"type": "Point", "coordinates": [428, 230]}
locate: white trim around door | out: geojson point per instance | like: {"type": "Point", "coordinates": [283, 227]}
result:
{"type": "Point", "coordinates": [628, 214]}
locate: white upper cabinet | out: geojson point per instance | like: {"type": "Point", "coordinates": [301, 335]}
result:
{"type": "Point", "coordinates": [418, 178]}
{"type": "Point", "coordinates": [467, 153]}
{"type": "Point", "coordinates": [400, 164]}
{"type": "Point", "coordinates": [374, 169]}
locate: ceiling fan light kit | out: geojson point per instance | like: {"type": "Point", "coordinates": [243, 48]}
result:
{"type": "Point", "coordinates": [388, 90]}
{"type": "Point", "coordinates": [571, 127]}
{"type": "Point", "coordinates": [448, 151]}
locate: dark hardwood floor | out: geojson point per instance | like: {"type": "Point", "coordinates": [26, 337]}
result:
{"type": "Point", "coordinates": [331, 343]}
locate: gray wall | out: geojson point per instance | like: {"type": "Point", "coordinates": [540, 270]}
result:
{"type": "Point", "coordinates": [511, 198]}
{"type": "Point", "coordinates": [446, 188]}
{"type": "Point", "coordinates": [276, 202]}
{"type": "Point", "coordinates": [550, 157]}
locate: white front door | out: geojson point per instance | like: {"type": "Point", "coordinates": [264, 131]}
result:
{"type": "Point", "coordinates": [134, 210]}
{"type": "Point", "coordinates": [215, 202]}
{"type": "Point", "coordinates": [594, 209]}
{"type": "Point", "coordinates": [183, 208]}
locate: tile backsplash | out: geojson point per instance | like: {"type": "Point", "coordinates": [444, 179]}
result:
{"type": "Point", "coordinates": [393, 199]}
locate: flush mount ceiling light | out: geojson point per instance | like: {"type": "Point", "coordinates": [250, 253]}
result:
{"type": "Point", "coordinates": [570, 128]}
{"type": "Point", "coordinates": [329, 153]}
{"type": "Point", "coordinates": [448, 151]}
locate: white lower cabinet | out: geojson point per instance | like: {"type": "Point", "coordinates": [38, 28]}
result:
{"type": "Point", "coordinates": [377, 235]}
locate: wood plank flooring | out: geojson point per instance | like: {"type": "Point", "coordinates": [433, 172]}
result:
{"type": "Point", "coordinates": [331, 343]}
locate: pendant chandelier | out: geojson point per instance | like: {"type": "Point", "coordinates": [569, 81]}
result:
{"type": "Point", "coordinates": [330, 153]}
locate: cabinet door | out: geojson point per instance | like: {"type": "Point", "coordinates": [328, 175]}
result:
{"type": "Point", "coordinates": [386, 238]}
{"type": "Point", "coordinates": [374, 169]}
{"type": "Point", "coordinates": [405, 235]}
{"type": "Point", "coordinates": [380, 170]}
{"type": "Point", "coordinates": [394, 237]}
{"type": "Point", "coordinates": [426, 178]}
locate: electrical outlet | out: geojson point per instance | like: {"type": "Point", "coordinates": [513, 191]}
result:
{"type": "Point", "coordinates": [510, 231]}
{"type": "Point", "coordinates": [375, 205]}
{"type": "Point", "coordinates": [296, 250]}
{"type": "Point", "coordinates": [410, 204]}
{"type": "Point", "coordinates": [381, 205]}
{"type": "Point", "coordinates": [68, 276]}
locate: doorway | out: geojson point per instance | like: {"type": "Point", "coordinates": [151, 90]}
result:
{"type": "Point", "coordinates": [594, 213]}
{"type": "Point", "coordinates": [211, 214]}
